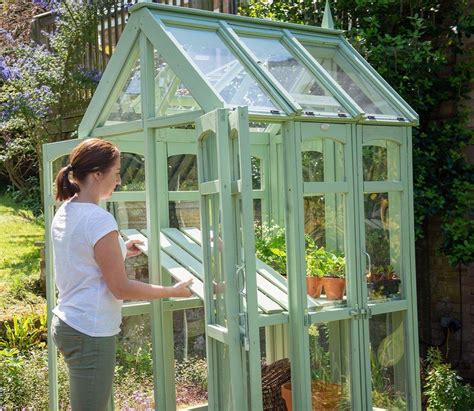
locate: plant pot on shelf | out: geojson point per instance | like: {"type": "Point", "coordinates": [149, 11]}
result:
{"type": "Point", "coordinates": [384, 287]}
{"type": "Point", "coordinates": [314, 285]}
{"type": "Point", "coordinates": [334, 287]}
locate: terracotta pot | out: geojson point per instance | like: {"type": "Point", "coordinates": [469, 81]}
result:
{"type": "Point", "coordinates": [286, 395]}
{"type": "Point", "coordinates": [334, 287]}
{"type": "Point", "coordinates": [314, 286]}
{"type": "Point", "coordinates": [324, 395]}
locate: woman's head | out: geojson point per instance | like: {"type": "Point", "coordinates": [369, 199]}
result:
{"type": "Point", "coordinates": [91, 158]}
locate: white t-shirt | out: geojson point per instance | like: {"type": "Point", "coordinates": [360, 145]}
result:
{"type": "Point", "coordinates": [85, 303]}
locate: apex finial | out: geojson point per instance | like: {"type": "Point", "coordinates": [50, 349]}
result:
{"type": "Point", "coordinates": [328, 22]}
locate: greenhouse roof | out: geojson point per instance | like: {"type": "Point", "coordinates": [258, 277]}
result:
{"type": "Point", "coordinates": [204, 60]}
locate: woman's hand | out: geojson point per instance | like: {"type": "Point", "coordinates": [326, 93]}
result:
{"type": "Point", "coordinates": [181, 289]}
{"type": "Point", "coordinates": [132, 250]}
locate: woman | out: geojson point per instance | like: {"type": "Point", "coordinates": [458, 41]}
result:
{"type": "Point", "coordinates": [90, 273]}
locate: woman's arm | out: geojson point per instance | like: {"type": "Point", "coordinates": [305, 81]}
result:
{"type": "Point", "coordinates": [109, 258]}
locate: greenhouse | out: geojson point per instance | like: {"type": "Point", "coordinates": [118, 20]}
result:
{"type": "Point", "coordinates": [250, 131]}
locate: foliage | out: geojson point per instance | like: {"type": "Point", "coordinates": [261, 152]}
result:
{"type": "Point", "coordinates": [24, 333]}
{"type": "Point", "coordinates": [443, 387]}
{"type": "Point", "coordinates": [270, 247]}
{"type": "Point", "coordinates": [419, 48]}
{"type": "Point", "coordinates": [23, 380]}
{"type": "Point", "coordinates": [139, 360]}
{"type": "Point", "coordinates": [39, 85]}
{"type": "Point", "coordinates": [192, 372]}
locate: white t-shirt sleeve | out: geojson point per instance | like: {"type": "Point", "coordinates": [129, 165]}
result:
{"type": "Point", "coordinates": [99, 224]}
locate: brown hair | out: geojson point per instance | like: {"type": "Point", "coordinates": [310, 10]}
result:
{"type": "Point", "coordinates": [88, 157]}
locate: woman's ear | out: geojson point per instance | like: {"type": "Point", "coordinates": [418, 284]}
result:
{"type": "Point", "coordinates": [98, 175]}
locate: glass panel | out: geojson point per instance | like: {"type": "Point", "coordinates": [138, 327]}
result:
{"type": "Point", "coordinates": [132, 172]}
{"type": "Point", "coordinates": [292, 75]}
{"type": "Point", "coordinates": [325, 254]}
{"type": "Point", "coordinates": [57, 165]}
{"type": "Point", "coordinates": [257, 211]}
{"type": "Point", "coordinates": [171, 96]}
{"type": "Point", "coordinates": [190, 354]}
{"type": "Point", "coordinates": [256, 164]}
{"type": "Point", "coordinates": [324, 219]}
{"type": "Point", "coordinates": [128, 105]}
{"type": "Point", "coordinates": [184, 214]}
{"type": "Point", "coordinates": [128, 214]}
{"type": "Point", "coordinates": [330, 365]}
{"type": "Point", "coordinates": [313, 166]}
{"type": "Point", "coordinates": [349, 78]}
{"type": "Point", "coordinates": [182, 172]}
{"type": "Point", "coordinates": [222, 69]}
{"type": "Point", "coordinates": [381, 161]}
{"type": "Point", "coordinates": [388, 362]}
{"type": "Point", "coordinates": [134, 370]}
{"type": "Point", "coordinates": [382, 233]}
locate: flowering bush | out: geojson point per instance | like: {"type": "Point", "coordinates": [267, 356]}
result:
{"type": "Point", "coordinates": [39, 84]}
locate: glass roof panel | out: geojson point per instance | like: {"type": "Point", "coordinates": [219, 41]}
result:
{"type": "Point", "coordinates": [128, 106]}
{"type": "Point", "coordinates": [222, 69]}
{"type": "Point", "coordinates": [293, 76]}
{"type": "Point", "coordinates": [171, 96]}
{"type": "Point", "coordinates": [358, 88]}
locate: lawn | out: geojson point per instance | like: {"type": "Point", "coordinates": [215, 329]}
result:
{"type": "Point", "coordinates": [19, 260]}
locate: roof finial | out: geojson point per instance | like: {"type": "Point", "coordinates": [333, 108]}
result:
{"type": "Point", "coordinates": [328, 22]}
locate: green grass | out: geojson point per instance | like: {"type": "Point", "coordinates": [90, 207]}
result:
{"type": "Point", "coordinates": [19, 259]}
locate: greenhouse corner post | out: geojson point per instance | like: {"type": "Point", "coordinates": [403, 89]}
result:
{"type": "Point", "coordinates": [294, 222]}
{"type": "Point", "coordinates": [415, 383]}
{"type": "Point", "coordinates": [50, 287]}
{"type": "Point", "coordinates": [153, 222]}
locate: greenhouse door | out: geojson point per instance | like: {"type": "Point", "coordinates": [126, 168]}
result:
{"type": "Point", "coordinates": [225, 184]}
{"type": "Point", "coordinates": [357, 349]}
{"type": "Point", "coordinates": [387, 269]}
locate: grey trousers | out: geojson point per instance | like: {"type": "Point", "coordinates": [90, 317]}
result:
{"type": "Point", "coordinates": [91, 364]}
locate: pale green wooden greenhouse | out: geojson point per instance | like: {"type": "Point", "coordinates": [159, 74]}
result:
{"type": "Point", "coordinates": [231, 127]}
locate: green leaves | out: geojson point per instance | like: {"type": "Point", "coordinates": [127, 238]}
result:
{"type": "Point", "coordinates": [443, 387]}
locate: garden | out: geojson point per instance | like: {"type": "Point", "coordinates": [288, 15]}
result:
{"type": "Point", "coordinates": [411, 45]}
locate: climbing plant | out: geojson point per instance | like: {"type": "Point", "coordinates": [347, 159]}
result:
{"type": "Point", "coordinates": [418, 47]}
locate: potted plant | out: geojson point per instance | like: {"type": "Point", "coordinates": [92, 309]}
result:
{"type": "Point", "coordinates": [383, 281]}
{"type": "Point", "coordinates": [334, 281]}
{"type": "Point", "coordinates": [270, 247]}
{"type": "Point", "coordinates": [325, 393]}
{"type": "Point", "coordinates": [314, 269]}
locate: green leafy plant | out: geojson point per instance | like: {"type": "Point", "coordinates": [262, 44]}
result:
{"type": "Point", "coordinates": [24, 333]}
{"type": "Point", "coordinates": [270, 246]}
{"type": "Point", "coordinates": [443, 387]}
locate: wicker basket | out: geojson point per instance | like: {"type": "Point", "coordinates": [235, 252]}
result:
{"type": "Point", "coordinates": [273, 377]}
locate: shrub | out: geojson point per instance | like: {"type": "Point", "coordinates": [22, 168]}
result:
{"type": "Point", "coordinates": [24, 380]}
{"type": "Point", "coordinates": [443, 387]}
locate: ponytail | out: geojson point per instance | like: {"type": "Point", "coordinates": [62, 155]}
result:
{"type": "Point", "coordinates": [92, 155]}
{"type": "Point", "coordinates": [65, 188]}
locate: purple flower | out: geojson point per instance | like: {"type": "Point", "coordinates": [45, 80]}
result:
{"type": "Point", "coordinates": [8, 36]}
{"type": "Point", "coordinates": [88, 74]}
